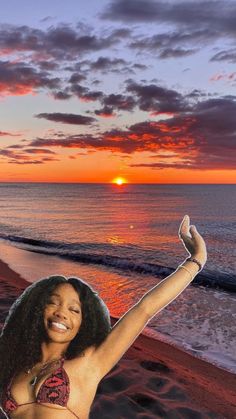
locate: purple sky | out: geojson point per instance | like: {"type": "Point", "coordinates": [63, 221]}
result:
{"type": "Point", "coordinates": [143, 89]}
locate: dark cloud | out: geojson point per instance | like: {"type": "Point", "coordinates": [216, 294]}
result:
{"type": "Point", "coordinates": [47, 19]}
{"type": "Point", "coordinates": [20, 79]}
{"type": "Point", "coordinates": [154, 98]}
{"type": "Point", "coordinates": [113, 102]}
{"type": "Point", "coordinates": [7, 153]}
{"type": "Point", "coordinates": [229, 55]}
{"type": "Point", "coordinates": [24, 157]}
{"type": "Point", "coordinates": [196, 94]}
{"type": "Point", "coordinates": [172, 40]}
{"type": "Point", "coordinates": [119, 101]}
{"type": "Point", "coordinates": [174, 43]}
{"type": "Point", "coordinates": [146, 136]}
{"type": "Point", "coordinates": [62, 95]}
{"type": "Point", "coordinates": [193, 24]}
{"type": "Point", "coordinates": [217, 14]}
{"type": "Point", "coordinates": [140, 66]}
{"type": "Point", "coordinates": [121, 33]}
{"type": "Point", "coordinates": [150, 98]}
{"type": "Point", "coordinates": [175, 52]}
{"type": "Point", "coordinates": [77, 78]}
{"type": "Point", "coordinates": [96, 82]}
{"type": "Point", "coordinates": [67, 118]}
{"type": "Point", "coordinates": [105, 112]}
{"type": "Point", "coordinates": [217, 117]}
{"type": "Point", "coordinates": [85, 94]}
{"type": "Point", "coordinates": [112, 65]}
{"type": "Point", "coordinates": [61, 42]}
{"type": "Point", "coordinates": [38, 151]}
{"type": "Point", "coordinates": [106, 63]}
{"type": "Point", "coordinates": [203, 138]}
{"type": "Point", "coordinates": [20, 38]}
{"type": "Point", "coordinates": [47, 65]}
{"type": "Point", "coordinates": [25, 162]}
{"type": "Point", "coordinates": [132, 10]}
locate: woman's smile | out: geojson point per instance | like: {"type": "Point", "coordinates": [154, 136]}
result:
{"type": "Point", "coordinates": [58, 327]}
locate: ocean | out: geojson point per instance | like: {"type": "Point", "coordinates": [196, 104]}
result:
{"type": "Point", "coordinates": [123, 240]}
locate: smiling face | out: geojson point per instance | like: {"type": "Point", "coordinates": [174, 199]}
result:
{"type": "Point", "coordinates": [63, 314]}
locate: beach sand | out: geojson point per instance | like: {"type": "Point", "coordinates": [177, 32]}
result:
{"type": "Point", "coordinates": [152, 380]}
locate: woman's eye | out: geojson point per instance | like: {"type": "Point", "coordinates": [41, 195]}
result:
{"type": "Point", "coordinates": [72, 309]}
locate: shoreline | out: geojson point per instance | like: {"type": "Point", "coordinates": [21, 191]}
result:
{"type": "Point", "coordinates": [154, 376]}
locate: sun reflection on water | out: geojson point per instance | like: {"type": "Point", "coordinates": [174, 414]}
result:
{"type": "Point", "coordinates": [115, 240]}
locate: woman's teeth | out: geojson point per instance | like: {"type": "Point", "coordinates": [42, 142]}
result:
{"type": "Point", "coordinates": [58, 325]}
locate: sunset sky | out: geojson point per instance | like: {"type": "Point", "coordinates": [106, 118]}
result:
{"type": "Point", "coordinates": [140, 89]}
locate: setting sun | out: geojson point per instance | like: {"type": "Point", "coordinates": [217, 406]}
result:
{"type": "Point", "coordinates": [119, 181]}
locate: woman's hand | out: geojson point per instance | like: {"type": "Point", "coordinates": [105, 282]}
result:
{"type": "Point", "coordinates": [192, 240]}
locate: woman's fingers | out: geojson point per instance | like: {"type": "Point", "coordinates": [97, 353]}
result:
{"type": "Point", "coordinates": [194, 232]}
{"type": "Point", "coordinates": [188, 231]}
{"type": "Point", "coordinates": [184, 227]}
{"type": "Point", "coordinates": [192, 239]}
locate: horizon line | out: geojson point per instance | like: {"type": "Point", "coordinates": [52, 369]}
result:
{"type": "Point", "coordinates": [112, 183]}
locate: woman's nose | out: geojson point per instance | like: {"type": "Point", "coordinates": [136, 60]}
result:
{"type": "Point", "coordinates": [60, 312]}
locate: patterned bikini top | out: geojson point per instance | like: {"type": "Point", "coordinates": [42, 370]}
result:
{"type": "Point", "coordinates": [54, 390]}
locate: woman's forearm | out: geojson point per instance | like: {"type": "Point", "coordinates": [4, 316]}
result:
{"type": "Point", "coordinates": [168, 289]}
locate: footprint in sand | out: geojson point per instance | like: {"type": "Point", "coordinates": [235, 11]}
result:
{"type": "Point", "coordinates": [157, 384]}
{"type": "Point", "coordinates": [150, 404]}
{"type": "Point", "coordinates": [155, 366]}
{"type": "Point", "coordinates": [175, 393]}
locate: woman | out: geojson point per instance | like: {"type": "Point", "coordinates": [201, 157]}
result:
{"type": "Point", "coordinates": [57, 342]}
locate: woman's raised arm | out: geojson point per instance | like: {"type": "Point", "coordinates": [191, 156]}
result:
{"type": "Point", "coordinates": [168, 289]}
{"type": "Point", "coordinates": [127, 329]}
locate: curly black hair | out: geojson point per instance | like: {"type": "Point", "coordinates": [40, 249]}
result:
{"type": "Point", "coordinates": [24, 330]}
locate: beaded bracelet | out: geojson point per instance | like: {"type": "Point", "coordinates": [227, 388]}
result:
{"type": "Point", "coordinates": [192, 259]}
